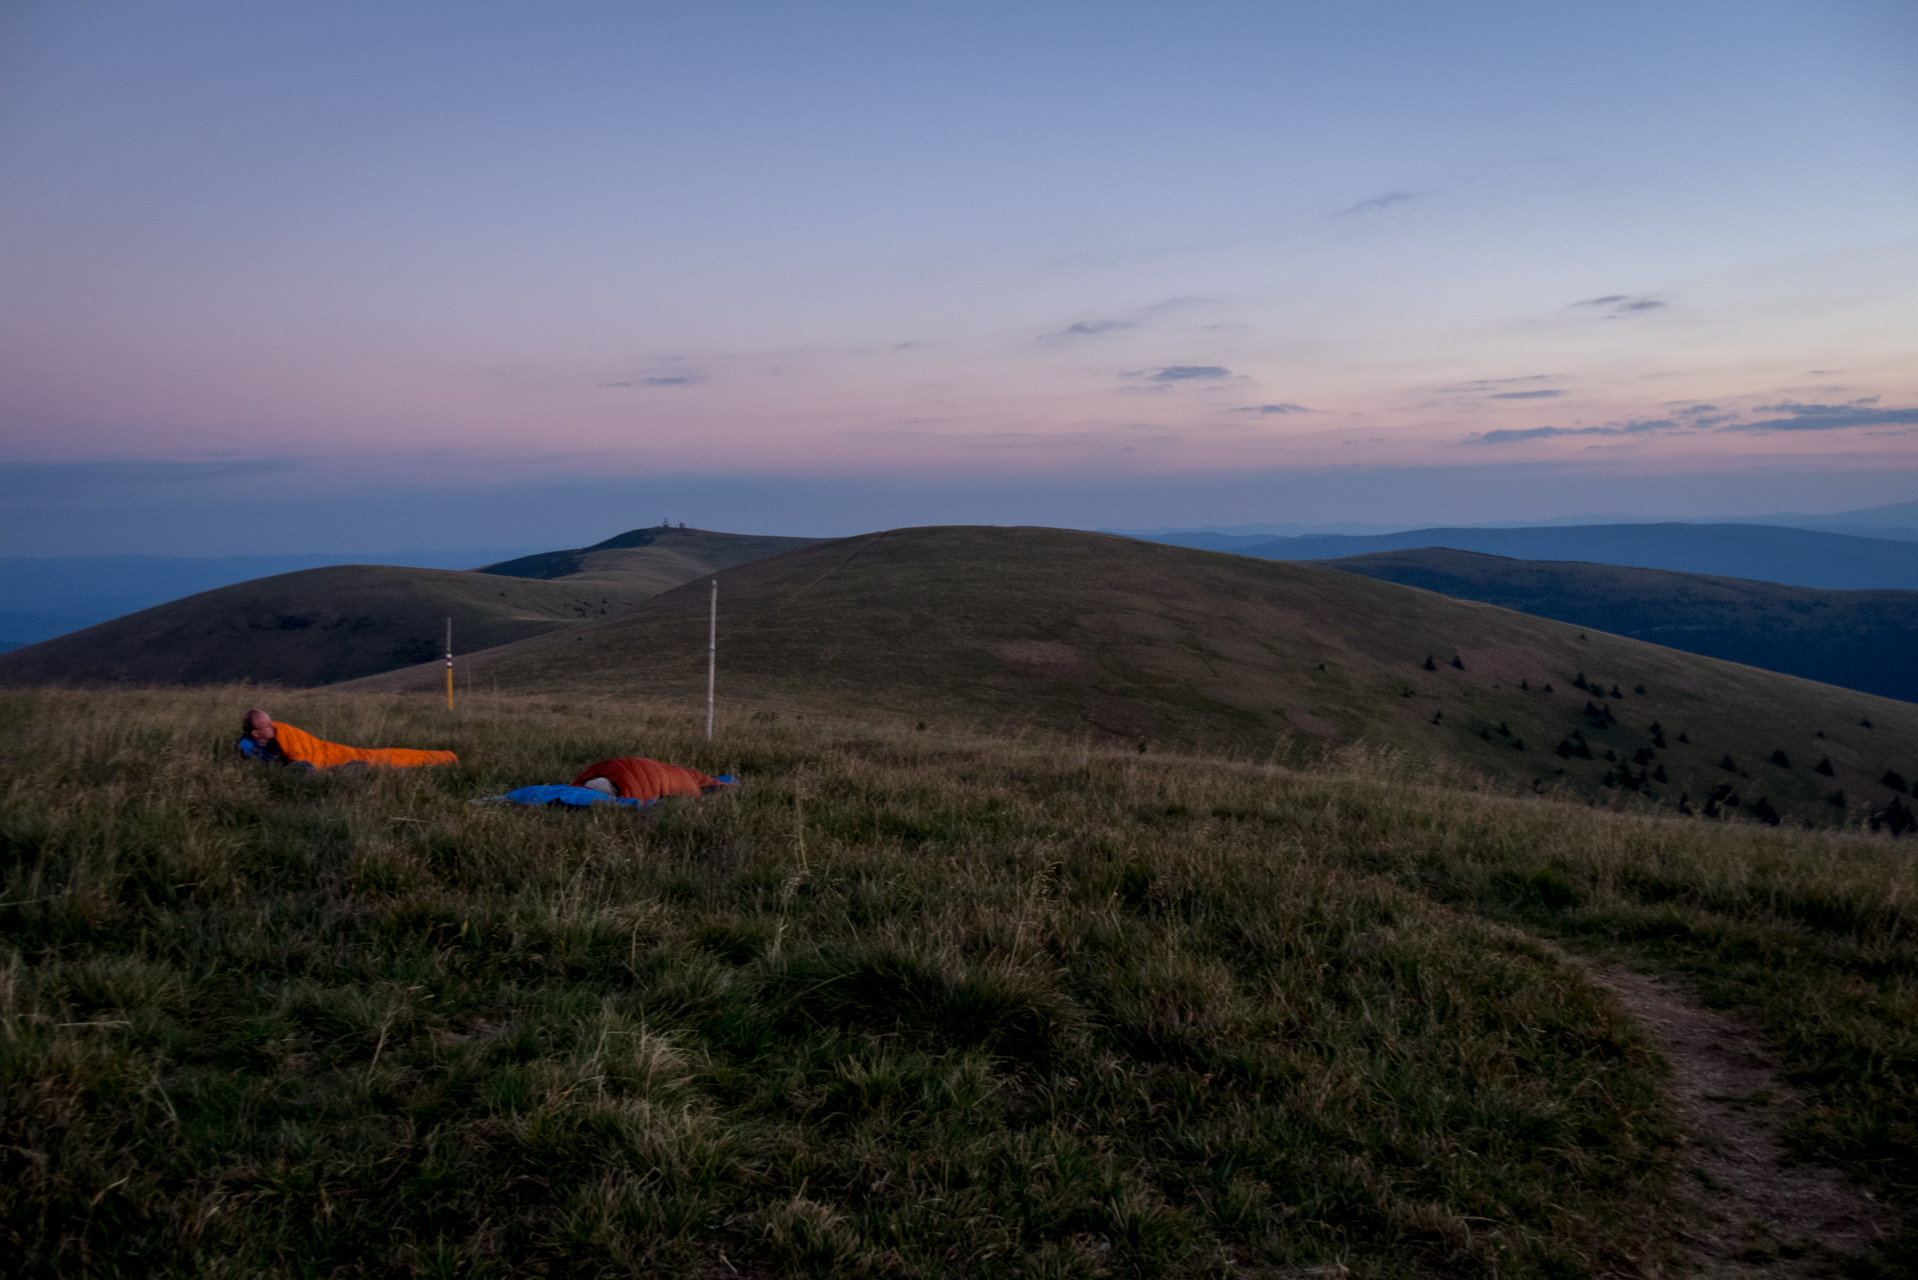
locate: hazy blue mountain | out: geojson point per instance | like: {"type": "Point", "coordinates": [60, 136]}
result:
{"type": "Point", "coordinates": [1857, 639]}
{"type": "Point", "coordinates": [43, 597]}
{"type": "Point", "coordinates": [1768, 553]}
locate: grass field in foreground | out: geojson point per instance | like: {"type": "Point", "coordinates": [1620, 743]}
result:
{"type": "Point", "coordinates": [903, 1005]}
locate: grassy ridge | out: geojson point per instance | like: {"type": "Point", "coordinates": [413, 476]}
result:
{"type": "Point", "coordinates": [905, 1005]}
{"type": "Point", "coordinates": [1077, 633]}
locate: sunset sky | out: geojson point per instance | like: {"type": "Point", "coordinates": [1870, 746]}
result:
{"type": "Point", "coordinates": [345, 277]}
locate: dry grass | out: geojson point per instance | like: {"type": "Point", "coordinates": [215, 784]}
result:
{"type": "Point", "coordinates": [904, 1005]}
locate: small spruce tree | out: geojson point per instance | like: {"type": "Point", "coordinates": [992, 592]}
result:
{"type": "Point", "coordinates": [1824, 767]}
{"type": "Point", "coordinates": [1779, 758]}
{"type": "Point", "coordinates": [1429, 664]}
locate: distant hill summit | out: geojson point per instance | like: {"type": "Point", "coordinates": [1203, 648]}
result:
{"type": "Point", "coordinates": [1175, 648]}
{"type": "Point", "coordinates": [1859, 639]}
{"type": "Point", "coordinates": [666, 555]}
{"type": "Point", "coordinates": [1767, 553]}
{"type": "Point", "coordinates": [318, 626]}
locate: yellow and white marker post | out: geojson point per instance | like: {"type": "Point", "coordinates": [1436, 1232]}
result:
{"type": "Point", "coordinates": [449, 664]}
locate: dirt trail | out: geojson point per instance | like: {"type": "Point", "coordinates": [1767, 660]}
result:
{"type": "Point", "coordinates": [1747, 1211]}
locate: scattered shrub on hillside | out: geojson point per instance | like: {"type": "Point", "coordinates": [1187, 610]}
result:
{"type": "Point", "coordinates": [1548, 686]}
{"type": "Point", "coordinates": [1660, 774]}
{"type": "Point", "coordinates": [1458, 662]}
{"type": "Point", "coordinates": [1437, 716]}
{"type": "Point", "coordinates": [1682, 738]}
{"type": "Point", "coordinates": [1518, 744]}
{"type": "Point", "coordinates": [1819, 734]}
{"type": "Point", "coordinates": [1728, 764]}
{"type": "Point", "coordinates": [1865, 723]}
{"type": "Point", "coordinates": [1658, 735]}
{"type": "Point", "coordinates": [1571, 747]}
{"type": "Point", "coordinates": [1485, 734]}
{"type": "Point", "coordinates": [1524, 687]}
{"type": "Point", "coordinates": [1711, 809]}
{"type": "Point", "coordinates": [1779, 758]}
{"type": "Point", "coordinates": [1503, 732]}
{"type": "Point", "coordinates": [1894, 780]}
{"type": "Point", "coordinates": [1639, 689]}
{"type": "Point", "coordinates": [1824, 767]}
{"type": "Point", "coordinates": [1616, 693]}
{"type": "Point", "coordinates": [1642, 756]}
{"type": "Point", "coordinates": [1685, 805]}
{"type": "Point", "coordinates": [1895, 818]}
{"type": "Point", "coordinates": [1429, 664]}
{"type": "Point", "coordinates": [1765, 813]}
{"type": "Point", "coordinates": [1578, 681]}
{"type": "Point", "coordinates": [1611, 755]}
{"type": "Point", "coordinates": [1836, 799]}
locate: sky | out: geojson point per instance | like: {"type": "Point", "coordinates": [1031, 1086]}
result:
{"type": "Point", "coordinates": [304, 277]}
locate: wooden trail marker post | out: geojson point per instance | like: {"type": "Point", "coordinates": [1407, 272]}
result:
{"type": "Point", "coordinates": [712, 657]}
{"type": "Point", "coordinates": [449, 664]}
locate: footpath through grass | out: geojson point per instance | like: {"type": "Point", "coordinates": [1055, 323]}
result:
{"type": "Point", "coordinates": [903, 1005]}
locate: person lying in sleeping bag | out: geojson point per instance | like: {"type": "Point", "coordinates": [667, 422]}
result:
{"type": "Point", "coordinates": [262, 739]}
{"type": "Point", "coordinates": [630, 781]}
{"type": "Point", "coordinates": [637, 778]}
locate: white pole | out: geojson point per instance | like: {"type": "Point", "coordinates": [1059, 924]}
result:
{"type": "Point", "coordinates": [712, 657]}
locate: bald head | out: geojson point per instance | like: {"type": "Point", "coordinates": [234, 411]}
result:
{"type": "Point", "coordinates": [257, 725]}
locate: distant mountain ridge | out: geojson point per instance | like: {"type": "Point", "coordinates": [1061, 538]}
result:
{"type": "Point", "coordinates": [1767, 553]}
{"type": "Point", "coordinates": [1858, 639]}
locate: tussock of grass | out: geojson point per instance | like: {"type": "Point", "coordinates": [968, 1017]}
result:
{"type": "Point", "coordinates": [903, 1005]}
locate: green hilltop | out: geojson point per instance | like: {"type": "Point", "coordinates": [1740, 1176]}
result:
{"type": "Point", "coordinates": [318, 626]}
{"type": "Point", "coordinates": [1166, 648]}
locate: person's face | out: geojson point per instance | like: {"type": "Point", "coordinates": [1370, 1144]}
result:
{"type": "Point", "coordinates": [259, 727]}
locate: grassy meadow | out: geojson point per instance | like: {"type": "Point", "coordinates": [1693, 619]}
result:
{"type": "Point", "coordinates": [905, 1004]}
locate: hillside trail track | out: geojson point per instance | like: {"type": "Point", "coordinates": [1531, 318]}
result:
{"type": "Point", "coordinates": [1744, 1210]}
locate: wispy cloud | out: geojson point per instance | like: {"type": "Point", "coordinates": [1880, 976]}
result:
{"type": "Point", "coordinates": [29, 480]}
{"type": "Point", "coordinates": [1273, 408]}
{"type": "Point", "coordinates": [1479, 385]}
{"type": "Point", "coordinates": [1827, 417]}
{"type": "Point", "coordinates": [1376, 203]}
{"type": "Point", "coordinates": [673, 380]}
{"type": "Point", "coordinates": [1191, 373]}
{"type": "Point", "coordinates": [1525, 395]}
{"type": "Point", "coordinates": [1616, 305]}
{"type": "Point", "coordinates": [1642, 426]}
{"type": "Point", "coordinates": [1092, 328]}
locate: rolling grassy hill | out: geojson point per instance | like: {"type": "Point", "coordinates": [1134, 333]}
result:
{"type": "Point", "coordinates": [1164, 646]}
{"type": "Point", "coordinates": [1859, 639]}
{"type": "Point", "coordinates": [1801, 557]}
{"type": "Point", "coordinates": [657, 558]}
{"type": "Point", "coordinates": [321, 625]}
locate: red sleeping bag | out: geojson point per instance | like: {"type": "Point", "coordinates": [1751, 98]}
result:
{"type": "Point", "coordinates": [637, 778]}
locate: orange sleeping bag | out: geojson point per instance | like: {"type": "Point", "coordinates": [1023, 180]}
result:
{"type": "Point", "coordinates": [637, 778]}
{"type": "Point", "coordinates": [298, 744]}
